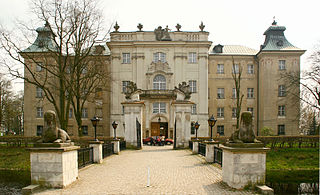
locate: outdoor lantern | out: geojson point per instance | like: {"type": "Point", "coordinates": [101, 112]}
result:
{"type": "Point", "coordinates": [115, 125]}
{"type": "Point", "coordinates": [212, 121]}
{"type": "Point", "coordinates": [95, 121]}
{"type": "Point", "coordinates": [196, 125]}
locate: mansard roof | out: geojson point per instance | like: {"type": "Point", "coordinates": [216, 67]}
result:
{"type": "Point", "coordinates": [275, 39]}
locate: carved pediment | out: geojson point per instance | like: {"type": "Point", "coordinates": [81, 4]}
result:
{"type": "Point", "coordinates": [159, 66]}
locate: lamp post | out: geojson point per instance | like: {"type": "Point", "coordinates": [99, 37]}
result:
{"type": "Point", "coordinates": [196, 125]}
{"type": "Point", "coordinates": [212, 121]}
{"type": "Point", "coordinates": [114, 125]}
{"type": "Point", "coordinates": [95, 121]}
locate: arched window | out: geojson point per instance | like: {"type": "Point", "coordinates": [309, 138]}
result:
{"type": "Point", "coordinates": [159, 82]}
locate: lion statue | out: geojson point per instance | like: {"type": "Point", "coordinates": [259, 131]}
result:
{"type": "Point", "coordinates": [51, 133]}
{"type": "Point", "coordinates": [245, 133]}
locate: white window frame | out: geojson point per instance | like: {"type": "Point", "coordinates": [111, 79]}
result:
{"type": "Point", "coordinates": [250, 93]}
{"type": "Point", "coordinates": [282, 64]}
{"type": "Point", "coordinates": [234, 113]}
{"type": "Point", "coordinates": [193, 86]}
{"type": "Point", "coordinates": [124, 86]}
{"type": "Point", "coordinates": [39, 130]}
{"type": "Point", "coordinates": [84, 113]}
{"type": "Point", "coordinates": [220, 112]}
{"type": "Point", "coordinates": [220, 69]}
{"type": "Point", "coordinates": [194, 109]}
{"type": "Point", "coordinates": [250, 69]}
{"type": "Point", "coordinates": [84, 70]}
{"type": "Point", "coordinates": [159, 82]}
{"type": "Point", "coordinates": [192, 57]}
{"type": "Point", "coordinates": [250, 109]}
{"type": "Point", "coordinates": [220, 93]}
{"type": "Point", "coordinates": [70, 112]}
{"type": "Point", "coordinates": [281, 129]}
{"type": "Point", "coordinates": [234, 93]}
{"type": "Point", "coordinates": [87, 129]}
{"type": "Point", "coordinates": [281, 90]}
{"type": "Point", "coordinates": [126, 58]}
{"type": "Point", "coordinates": [39, 92]}
{"type": "Point", "coordinates": [219, 129]}
{"type": "Point", "coordinates": [39, 112]}
{"type": "Point", "coordinates": [282, 110]}
{"type": "Point", "coordinates": [159, 56]}
{"type": "Point", "coordinates": [159, 107]}
{"type": "Point", "coordinates": [235, 69]}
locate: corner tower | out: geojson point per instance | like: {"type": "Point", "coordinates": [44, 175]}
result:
{"type": "Point", "coordinates": [278, 108]}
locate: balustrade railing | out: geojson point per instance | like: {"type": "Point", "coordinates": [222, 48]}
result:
{"type": "Point", "coordinates": [123, 145]}
{"type": "Point", "coordinates": [190, 145]}
{"type": "Point", "coordinates": [202, 149]}
{"type": "Point", "coordinates": [85, 157]}
{"type": "Point", "coordinates": [218, 155]}
{"type": "Point", "coordinates": [107, 149]}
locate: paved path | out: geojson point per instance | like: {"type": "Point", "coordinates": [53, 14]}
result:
{"type": "Point", "coordinates": [171, 172]}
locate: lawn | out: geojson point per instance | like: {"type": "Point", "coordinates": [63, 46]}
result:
{"type": "Point", "coordinates": [14, 158]}
{"type": "Point", "coordinates": [293, 159]}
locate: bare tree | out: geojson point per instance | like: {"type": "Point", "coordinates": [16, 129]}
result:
{"type": "Point", "coordinates": [63, 53]}
{"type": "Point", "coordinates": [236, 75]}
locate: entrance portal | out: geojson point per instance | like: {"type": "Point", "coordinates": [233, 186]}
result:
{"type": "Point", "coordinates": [158, 129]}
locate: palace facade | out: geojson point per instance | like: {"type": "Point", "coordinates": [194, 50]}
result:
{"type": "Point", "coordinates": [164, 78]}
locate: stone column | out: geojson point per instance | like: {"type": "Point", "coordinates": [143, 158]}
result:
{"type": "Point", "coordinates": [195, 146]}
{"type": "Point", "coordinates": [54, 165]}
{"type": "Point", "coordinates": [97, 151]}
{"type": "Point", "coordinates": [183, 123]}
{"type": "Point", "coordinates": [243, 166]}
{"type": "Point", "coordinates": [116, 146]}
{"type": "Point", "coordinates": [132, 112]}
{"type": "Point", "coordinates": [210, 150]}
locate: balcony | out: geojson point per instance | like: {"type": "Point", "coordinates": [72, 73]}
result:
{"type": "Point", "coordinates": [158, 94]}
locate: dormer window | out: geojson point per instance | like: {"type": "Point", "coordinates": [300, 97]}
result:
{"type": "Point", "coordinates": [159, 56]}
{"type": "Point", "coordinates": [218, 49]}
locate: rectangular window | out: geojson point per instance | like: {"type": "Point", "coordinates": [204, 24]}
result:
{"type": "Point", "coordinates": [234, 112]}
{"type": "Point", "coordinates": [194, 109]}
{"type": "Point", "coordinates": [282, 64]}
{"type": "Point", "coordinates": [193, 86]}
{"type": "Point", "coordinates": [68, 69]}
{"type": "Point", "coordinates": [99, 112]}
{"type": "Point", "coordinates": [159, 107]}
{"type": "Point", "coordinates": [39, 67]}
{"type": "Point", "coordinates": [84, 113]}
{"type": "Point", "coordinates": [39, 130]}
{"type": "Point", "coordinates": [281, 110]}
{"type": "Point", "coordinates": [84, 70]}
{"type": "Point", "coordinates": [70, 113]}
{"type": "Point", "coordinates": [159, 56]}
{"type": "Point", "coordinates": [39, 112]}
{"type": "Point", "coordinates": [234, 93]}
{"type": "Point", "coordinates": [98, 93]}
{"type": "Point", "coordinates": [250, 69]}
{"type": "Point", "coordinates": [192, 57]}
{"type": "Point", "coordinates": [220, 130]}
{"type": "Point", "coordinates": [126, 58]}
{"type": "Point", "coordinates": [124, 86]}
{"type": "Point", "coordinates": [250, 109]}
{"type": "Point", "coordinates": [281, 91]}
{"type": "Point", "coordinates": [220, 69]}
{"type": "Point", "coordinates": [193, 129]}
{"type": "Point", "coordinates": [235, 69]}
{"type": "Point", "coordinates": [250, 93]}
{"type": "Point", "coordinates": [39, 92]}
{"type": "Point", "coordinates": [220, 93]}
{"type": "Point", "coordinates": [84, 130]}
{"type": "Point", "coordinates": [220, 113]}
{"type": "Point", "coordinates": [281, 130]}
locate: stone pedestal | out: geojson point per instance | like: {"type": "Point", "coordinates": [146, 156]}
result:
{"type": "Point", "coordinates": [243, 166]}
{"type": "Point", "coordinates": [210, 150]}
{"type": "Point", "coordinates": [182, 122]}
{"type": "Point", "coordinates": [97, 151]}
{"type": "Point", "coordinates": [195, 147]}
{"type": "Point", "coordinates": [116, 146]}
{"type": "Point", "coordinates": [54, 165]}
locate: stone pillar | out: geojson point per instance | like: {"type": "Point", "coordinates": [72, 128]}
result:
{"type": "Point", "coordinates": [183, 123]}
{"type": "Point", "coordinates": [116, 146]}
{"type": "Point", "coordinates": [97, 151]}
{"type": "Point", "coordinates": [54, 165]}
{"type": "Point", "coordinates": [132, 112]}
{"type": "Point", "coordinates": [210, 150]}
{"type": "Point", "coordinates": [243, 166]}
{"type": "Point", "coordinates": [195, 146]}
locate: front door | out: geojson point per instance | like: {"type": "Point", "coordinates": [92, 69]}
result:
{"type": "Point", "coordinates": [155, 129]}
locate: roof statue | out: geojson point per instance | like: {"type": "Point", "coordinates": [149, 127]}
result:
{"type": "Point", "coordinates": [162, 34]}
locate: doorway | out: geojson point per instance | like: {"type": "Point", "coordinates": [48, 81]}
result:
{"type": "Point", "coordinates": [158, 129]}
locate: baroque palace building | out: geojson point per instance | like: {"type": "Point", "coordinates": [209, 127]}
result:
{"type": "Point", "coordinates": [164, 78]}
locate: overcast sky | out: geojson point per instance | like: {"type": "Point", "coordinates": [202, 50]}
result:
{"type": "Point", "coordinates": [230, 22]}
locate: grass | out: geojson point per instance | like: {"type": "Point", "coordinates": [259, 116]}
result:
{"type": "Point", "coordinates": [14, 158]}
{"type": "Point", "coordinates": [293, 159]}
